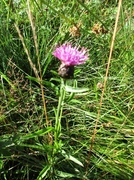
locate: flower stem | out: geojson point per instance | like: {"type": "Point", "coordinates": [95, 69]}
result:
{"type": "Point", "coordinates": [59, 113]}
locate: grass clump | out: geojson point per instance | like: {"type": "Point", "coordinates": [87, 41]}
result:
{"type": "Point", "coordinates": [82, 129]}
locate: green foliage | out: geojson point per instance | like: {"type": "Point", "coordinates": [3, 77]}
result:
{"type": "Point", "coordinates": [56, 146]}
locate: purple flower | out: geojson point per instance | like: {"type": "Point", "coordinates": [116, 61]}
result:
{"type": "Point", "coordinates": [70, 56]}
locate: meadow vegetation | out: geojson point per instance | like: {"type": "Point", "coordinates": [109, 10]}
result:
{"type": "Point", "coordinates": [80, 130]}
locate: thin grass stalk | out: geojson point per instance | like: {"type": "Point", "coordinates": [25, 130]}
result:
{"type": "Point", "coordinates": [88, 10]}
{"type": "Point", "coordinates": [127, 117]}
{"type": "Point", "coordinates": [38, 60]}
{"type": "Point", "coordinates": [104, 86]}
{"type": "Point", "coordinates": [27, 53]}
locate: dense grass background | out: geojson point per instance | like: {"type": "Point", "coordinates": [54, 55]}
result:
{"type": "Point", "coordinates": [30, 146]}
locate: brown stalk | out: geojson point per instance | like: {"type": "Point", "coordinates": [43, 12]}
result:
{"type": "Point", "coordinates": [104, 86]}
{"type": "Point", "coordinates": [39, 77]}
{"type": "Point", "coordinates": [38, 59]}
{"type": "Point", "coordinates": [27, 53]}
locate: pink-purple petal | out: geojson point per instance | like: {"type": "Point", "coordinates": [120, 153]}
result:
{"type": "Point", "coordinates": [69, 55]}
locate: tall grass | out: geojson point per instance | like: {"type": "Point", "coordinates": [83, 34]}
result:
{"type": "Point", "coordinates": [79, 129]}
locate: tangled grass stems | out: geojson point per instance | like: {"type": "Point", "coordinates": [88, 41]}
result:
{"type": "Point", "coordinates": [104, 86]}
{"type": "Point", "coordinates": [39, 77]}
{"type": "Point", "coordinates": [27, 152]}
{"type": "Point", "coordinates": [38, 61]}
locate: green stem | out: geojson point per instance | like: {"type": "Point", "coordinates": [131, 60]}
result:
{"type": "Point", "coordinates": [59, 113]}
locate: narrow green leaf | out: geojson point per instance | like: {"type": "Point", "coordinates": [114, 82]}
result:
{"type": "Point", "coordinates": [71, 158]}
{"type": "Point", "coordinates": [65, 175]}
{"type": "Point", "coordinates": [37, 133]}
{"type": "Point", "coordinates": [32, 78]}
{"type": "Point", "coordinates": [76, 90]}
{"type": "Point", "coordinates": [76, 161]}
{"type": "Point", "coordinates": [43, 173]}
{"type": "Point", "coordinates": [1, 163]}
{"type": "Point", "coordinates": [7, 80]}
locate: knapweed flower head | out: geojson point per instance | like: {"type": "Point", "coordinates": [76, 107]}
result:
{"type": "Point", "coordinates": [69, 55]}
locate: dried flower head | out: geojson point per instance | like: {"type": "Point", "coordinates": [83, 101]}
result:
{"type": "Point", "coordinates": [75, 30]}
{"type": "Point", "coordinates": [66, 72]}
{"type": "Point", "coordinates": [99, 29]}
{"type": "Point", "coordinates": [100, 85]}
{"type": "Point", "coordinates": [70, 56]}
